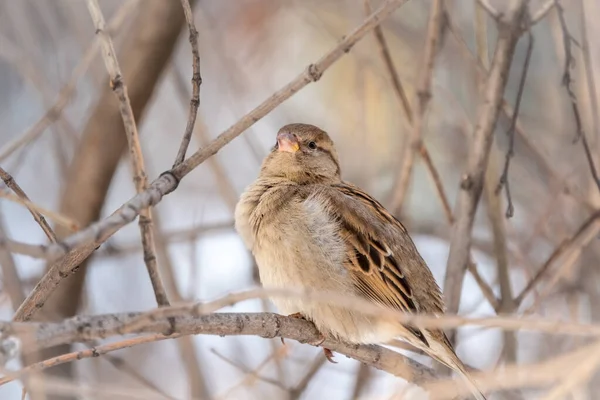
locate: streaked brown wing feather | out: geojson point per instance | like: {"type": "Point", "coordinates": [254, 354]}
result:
{"type": "Point", "coordinates": [375, 267]}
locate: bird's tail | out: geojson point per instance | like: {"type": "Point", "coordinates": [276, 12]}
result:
{"type": "Point", "coordinates": [443, 351]}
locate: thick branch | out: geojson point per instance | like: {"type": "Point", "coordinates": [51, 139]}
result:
{"type": "Point", "coordinates": [265, 325]}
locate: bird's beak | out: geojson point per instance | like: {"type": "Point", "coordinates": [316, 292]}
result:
{"type": "Point", "coordinates": [287, 142]}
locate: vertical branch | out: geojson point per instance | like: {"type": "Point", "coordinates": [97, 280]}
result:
{"type": "Point", "coordinates": [389, 65]}
{"type": "Point", "coordinates": [196, 82]}
{"type": "Point", "coordinates": [11, 281]}
{"type": "Point", "coordinates": [135, 151]}
{"type": "Point", "coordinates": [421, 103]}
{"type": "Point", "coordinates": [471, 184]}
{"type": "Point", "coordinates": [494, 207]}
{"type": "Point", "coordinates": [590, 75]}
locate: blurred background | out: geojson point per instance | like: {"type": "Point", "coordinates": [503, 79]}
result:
{"type": "Point", "coordinates": [62, 139]}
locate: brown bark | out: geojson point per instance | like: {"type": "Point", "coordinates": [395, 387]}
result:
{"type": "Point", "coordinates": [144, 54]}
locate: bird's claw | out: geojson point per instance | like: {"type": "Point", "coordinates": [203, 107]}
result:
{"type": "Point", "coordinates": [329, 355]}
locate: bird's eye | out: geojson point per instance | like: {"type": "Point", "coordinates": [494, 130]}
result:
{"type": "Point", "coordinates": [312, 145]}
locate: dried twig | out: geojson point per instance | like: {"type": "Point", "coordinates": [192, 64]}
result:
{"type": "Point", "coordinates": [10, 276]}
{"type": "Point", "coordinates": [471, 184]}
{"type": "Point", "coordinates": [196, 82]}
{"type": "Point", "coordinates": [135, 150]}
{"type": "Point", "coordinates": [436, 19]}
{"type": "Point", "coordinates": [76, 248]}
{"type": "Point", "coordinates": [39, 218]}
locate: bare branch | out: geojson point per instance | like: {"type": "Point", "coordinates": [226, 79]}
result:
{"type": "Point", "coordinates": [135, 151]}
{"type": "Point", "coordinates": [196, 82]}
{"type": "Point", "coordinates": [567, 80]}
{"type": "Point", "coordinates": [436, 18]}
{"type": "Point", "coordinates": [566, 246]}
{"type": "Point", "coordinates": [511, 130]}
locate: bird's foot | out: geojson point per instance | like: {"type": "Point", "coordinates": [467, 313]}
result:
{"type": "Point", "coordinates": [294, 315]}
{"type": "Point", "coordinates": [328, 353]}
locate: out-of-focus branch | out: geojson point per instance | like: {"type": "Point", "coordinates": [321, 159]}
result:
{"type": "Point", "coordinates": [592, 224]}
{"type": "Point", "coordinates": [471, 184]}
{"type": "Point", "coordinates": [145, 51]}
{"type": "Point", "coordinates": [185, 344]}
{"type": "Point", "coordinates": [119, 88]}
{"type": "Point", "coordinates": [39, 218]}
{"type": "Point", "coordinates": [75, 249]}
{"type": "Point", "coordinates": [68, 90]}
{"type": "Point", "coordinates": [494, 206]}
{"type": "Point", "coordinates": [11, 281]}
{"type": "Point", "coordinates": [297, 391]}
{"type": "Point", "coordinates": [389, 66]}
{"type": "Point", "coordinates": [567, 80]}
{"type": "Point", "coordinates": [421, 103]}
{"type": "Point", "coordinates": [59, 219]}
{"type": "Point", "coordinates": [196, 82]}
{"type": "Point", "coordinates": [95, 351]}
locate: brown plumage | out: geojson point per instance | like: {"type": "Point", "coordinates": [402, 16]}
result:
{"type": "Point", "coordinates": [308, 228]}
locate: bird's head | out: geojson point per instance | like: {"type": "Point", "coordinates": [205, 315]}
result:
{"type": "Point", "coordinates": [303, 154]}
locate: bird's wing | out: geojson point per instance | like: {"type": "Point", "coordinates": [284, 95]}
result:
{"type": "Point", "coordinates": [383, 260]}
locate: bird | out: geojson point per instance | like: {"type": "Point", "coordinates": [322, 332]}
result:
{"type": "Point", "coordinates": [308, 228]}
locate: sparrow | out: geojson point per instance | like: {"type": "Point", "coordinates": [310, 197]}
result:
{"type": "Point", "coordinates": [307, 228]}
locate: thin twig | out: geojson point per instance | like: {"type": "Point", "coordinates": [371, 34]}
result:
{"type": "Point", "coordinates": [542, 12]}
{"type": "Point", "coordinates": [135, 151]}
{"type": "Point", "coordinates": [471, 184]}
{"type": "Point", "coordinates": [590, 74]}
{"type": "Point", "coordinates": [59, 219]}
{"type": "Point", "coordinates": [122, 366]}
{"type": "Point", "coordinates": [421, 103]}
{"type": "Point", "coordinates": [250, 374]}
{"type": "Point", "coordinates": [196, 82]}
{"type": "Point", "coordinates": [567, 80]}
{"type": "Point", "coordinates": [510, 210]}
{"type": "Point", "coordinates": [39, 218]}
{"type": "Point", "coordinates": [79, 246]}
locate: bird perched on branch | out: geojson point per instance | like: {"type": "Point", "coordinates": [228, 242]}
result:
{"type": "Point", "coordinates": [307, 228]}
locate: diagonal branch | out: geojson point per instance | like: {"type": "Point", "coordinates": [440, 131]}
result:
{"type": "Point", "coordinates": [135, 151]}
{"type": "Point", "coordinates": [67, 92]}
{"type": "Point", "coordinates": [471, 184]}
{"type": "Point", "coordinates": [196, 82]}
{"type": "Point", "coordinates": [77, 247]}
